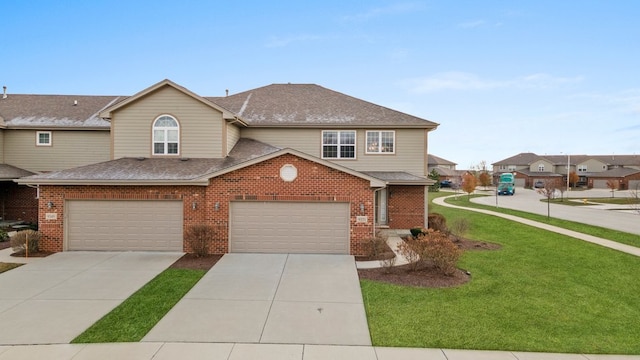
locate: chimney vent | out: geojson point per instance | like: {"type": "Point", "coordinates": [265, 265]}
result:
{"type": "Point", "coordinates": [4, 92]}
{"type": "Point", "coordinates": [227, 91]}
{"type": "Point", "coordinates": [75, 102]}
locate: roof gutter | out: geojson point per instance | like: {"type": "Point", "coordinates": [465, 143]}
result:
{"type": "Point", "coordinates": [27, 181]}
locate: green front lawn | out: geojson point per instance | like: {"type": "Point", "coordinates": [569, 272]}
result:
{"type": "Point", "coordinates": [136, 316]}
{"type": "Point", "coordinates": [7, 266]}
{"type": "Point", "coordinates": [609, 234]}
{"type": "Point", "coordinates": [541, 292]}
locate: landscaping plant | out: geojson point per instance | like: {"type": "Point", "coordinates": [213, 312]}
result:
{"type": "Point", "coordinates": [26, 240]}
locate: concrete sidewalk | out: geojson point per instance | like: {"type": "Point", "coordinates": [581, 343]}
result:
{"type": "Point", "coordinates": [589, 238]}
{"type": "Point", "coordinates": [236, 351]}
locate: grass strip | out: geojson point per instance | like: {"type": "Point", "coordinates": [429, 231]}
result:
{"type": "Point", "coordinates": [542, 292]}
{"type": "Point", "coordinates": [8, 266]}
{"type": "Point", "coordinates": [137, 315]}
{"type": "Point", "coordinates": [609, 234]}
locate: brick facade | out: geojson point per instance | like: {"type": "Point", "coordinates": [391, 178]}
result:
{"type": "Point", "coordinates": [18, 202]}
{"type": "Point", "coordinates": [315, 182]}
{"type": "Point", "coordinates": [406, 206]}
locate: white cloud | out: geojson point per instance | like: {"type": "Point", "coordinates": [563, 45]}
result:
{"type": "Point", "coordinates": [457, 80]}
{"type": "Point", "coordinates": [398, 8]}
{"type": "Point", "coordinates": [276, 41]}
{"type": "Point", "coordinates": [472, 24]}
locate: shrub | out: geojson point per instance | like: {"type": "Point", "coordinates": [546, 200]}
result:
{"type": "Point", "coordinates": [416, 231]}
{"type": "Point", "coordinates": [3, 235]}
{"type": "Point", "coordinates": [375, 246]}
{"type": "Point", "coordinates": [200, 236]}
{"type": "Point", "coordinates": [459, 228]}
{"type": "Point", "coordinates": [413, 250]}
{"type": "Point", "coordinates": [437, 222]}
{"type": "Point", "coordinates": [19, 241]}
{"type": "Point", "coordinates": [442, 252]}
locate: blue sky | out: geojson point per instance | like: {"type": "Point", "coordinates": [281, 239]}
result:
{"type": "Point", "coordinates": [501, 77]}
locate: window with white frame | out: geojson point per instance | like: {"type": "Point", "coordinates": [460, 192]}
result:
{"type": "Point", "coordinates": [503, 167]}
{"type": "Point", "coordinates": [166, 136]}
{"type": "Point", "coordinates": [43, 138]}
{"type": "Point", "coordinates": [512, 168]}
{"type": "Point", "coordinates": [540, 167]}
{"type": "Point", "coordinates": [582, 168]}
{"type": "Point", "coordinates": [381, 142]}
{"type": "Point", "coordinates": [338, 144]}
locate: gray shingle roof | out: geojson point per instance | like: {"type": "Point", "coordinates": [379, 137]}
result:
{"type": "Point", "coordinates": [435, 160]}
{"type": "Point", "coordinates": [528, 158]}
{"type": "Point", "coordinates": [158, 169]}
{"type": "Point", "coordinates": [42, 111]}
{"type": "Point", "coordinates": [312, 105]}
{"type": "Point", "coordinates": [9, 172]}
{"type": "Point", "coordinates": [397, 177]}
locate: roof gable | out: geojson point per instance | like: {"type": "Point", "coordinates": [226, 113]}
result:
{"type": "Point", "coordinates": [107, 113]}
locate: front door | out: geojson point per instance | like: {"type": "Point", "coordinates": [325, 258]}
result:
{"type": "Point", "coordinates": [381, 207]}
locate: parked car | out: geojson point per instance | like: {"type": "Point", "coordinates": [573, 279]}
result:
{"type": "Point", "coordinates": [538, 184]}
{"type": "Point", "coordinates": [445, 183]}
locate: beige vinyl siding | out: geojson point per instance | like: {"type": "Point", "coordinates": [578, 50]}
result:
{"type": "Point", "coordinates": [548, 167]}
{"type": "Point", "coordinates": [409, 155]}
{"type": "Point", "coordinates": [594, 166]}
{"type": "Point", "coordinates": [233, 135]}
{"type": "Point", "coordinates": [69, 148]}
{"type": "Point", "coordinates": [201, 127]}
{"type": "Point", "coordinates": [2, 146]}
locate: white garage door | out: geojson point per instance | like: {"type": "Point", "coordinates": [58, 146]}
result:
{"type": "Point", "coordinates": [600, 184]}
{"type": "Point", "coordinates": [289, 227]}
{"type": "Point", "coordinates": [124, 225]}
{"type": "Point", "coordinates": [519, 183]}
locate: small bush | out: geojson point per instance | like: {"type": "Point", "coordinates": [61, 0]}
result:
{"type": "Point", "coordinates": [459, 228]}
{"type": "Point", "coordinates": [388, 264]}
{"type": "Point", "coordinates": [437, 222]}
{"type": "Point", "coordinates": [412, 249]}
{"type": "Point", "coordinates": [375, 246]}
{"type": "Point", "coordinates": [442, 252]}
{"type": "Point", "coordinates": [416, 231]}
{"type": "Point", "coordinates": [19, 241]}
{"type": "Point", "coordinates": [3, 235]}
{"type": "Point", "coordinates": [200, 236]}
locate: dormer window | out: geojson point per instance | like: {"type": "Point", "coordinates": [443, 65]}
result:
{"type": "Point", "coordinates": [166, 136]}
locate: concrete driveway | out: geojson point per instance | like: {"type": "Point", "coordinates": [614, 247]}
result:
{"type": "Point", "coordinates": [54, 299]}
{"type": "Point", "coordinates": [271, 298]}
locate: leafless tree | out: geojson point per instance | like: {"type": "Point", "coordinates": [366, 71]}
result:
{"type": "Point", "coordinates": [613, 185]}
{"type": "Point", "coordinates": [549, 192]}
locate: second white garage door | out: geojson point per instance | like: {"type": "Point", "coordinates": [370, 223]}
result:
{"type": "Point", "coordinates": [136, 225]}
{"type": "Point", "coordinates": [289, 227]}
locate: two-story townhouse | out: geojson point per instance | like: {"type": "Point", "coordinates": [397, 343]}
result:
{"type": "Point", "coordinates": [594, 171]}
{"type": "Point", "coordinates": [282, 168]}
{"type": "Point", "coordinates": [445, 168]}
{"type": "Point", "coordinates": [43, 133]}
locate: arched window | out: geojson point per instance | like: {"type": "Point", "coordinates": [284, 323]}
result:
{"type": "Point", "coordinates": [166, 136]}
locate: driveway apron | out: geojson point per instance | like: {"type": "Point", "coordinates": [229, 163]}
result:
{"type": "Point", "coordinates": [271, 298]}
{"type": "Point", "coordinates": [56, 298]}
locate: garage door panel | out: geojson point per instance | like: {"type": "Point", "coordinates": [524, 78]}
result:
{"type": "Point", "coordinates": [124, 225]}
{"type": "Point", "coordinates": [289, 227]}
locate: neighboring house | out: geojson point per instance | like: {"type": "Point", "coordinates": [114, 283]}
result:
{"type": "Point", "coordinates": [281, 168]}
{"type": "Point", "coordinates": [594, 171]}
{"type": "Point", "coordinates": [445, 168]}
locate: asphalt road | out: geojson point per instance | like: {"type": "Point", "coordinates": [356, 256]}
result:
{"type": "Point", "coordinates": [618, 217]}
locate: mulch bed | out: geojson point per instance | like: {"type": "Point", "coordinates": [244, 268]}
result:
{"type": "Point", "coordinates": [195, 262]}
{"type": "Point", "coordinates": [37, 254]}
{"type": "Point", "coordinates": [427, 275]}
{"type": "Point", "coordinates": [4, 244]}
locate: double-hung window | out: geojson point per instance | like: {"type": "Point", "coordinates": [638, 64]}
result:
{"type": "Point", "coordinates": [541, 167]}
{"type": "Point", "coordinates": [43, 138]}
{"type": "Point", "coordinates": [166, 136]}
{"type": "Point", "coordinates": [338, 144]}
{"type": "Point", "coordinates": [381, 142]}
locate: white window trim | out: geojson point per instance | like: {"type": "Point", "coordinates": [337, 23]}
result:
{"type": "Point", "coordinates": [339, 145]}
{"type": "Point", "coordinates": [540, 167]}
{"type": "Point", "coordinates": [379, 150]}
{"type": "Point", "coordinates": [38, 143]}
{"type": "Point", "coordinates": [166, 141]}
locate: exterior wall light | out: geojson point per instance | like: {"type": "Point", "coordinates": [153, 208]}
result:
{"type": "Point", "coordinates": [216, 206]}
{"type": "Point", "coordinates": [50, 204]}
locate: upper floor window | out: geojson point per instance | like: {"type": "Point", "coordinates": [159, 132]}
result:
{"type": "Point", "coordinates": [381, 142]}
{"type": "Point", "coordinates": [43, 138]}
{"type": "Point", "coordinates": [338, 144]}
{"type": "Point", "coordinates": [582, 168]}
{"type": "Point", "coordinates": [512, 168]}
{"type": "Point", "coordinates": [166, 136]}
{"type": "Point", "coordinates": [503, 167]}
{"type": "Point", "coordinates": [541, 167]}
